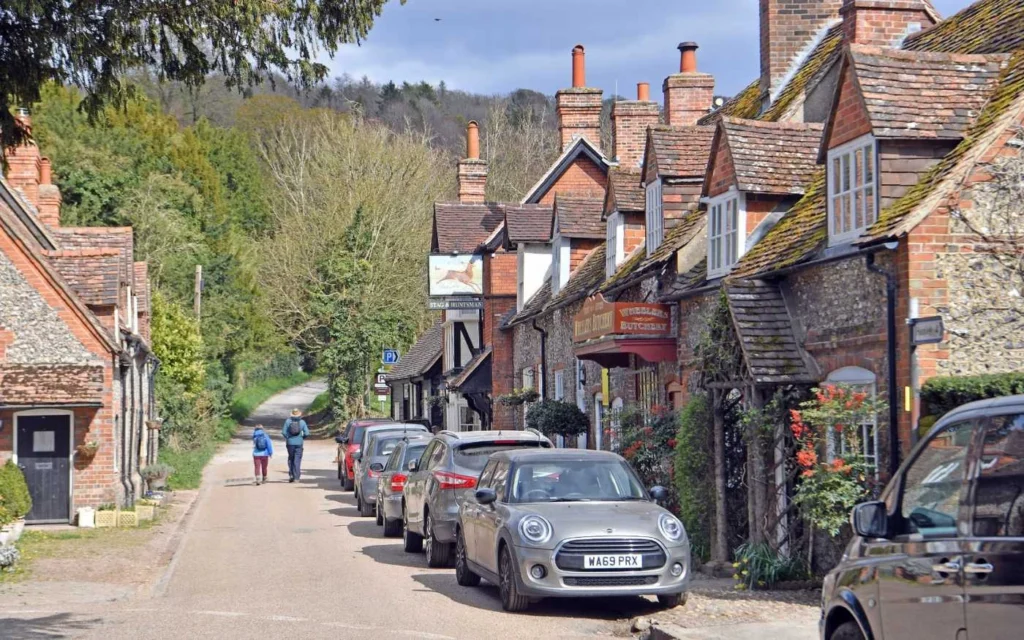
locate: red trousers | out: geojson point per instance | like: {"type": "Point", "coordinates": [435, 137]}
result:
{"type": "Point", "coordinates": [260, 462]}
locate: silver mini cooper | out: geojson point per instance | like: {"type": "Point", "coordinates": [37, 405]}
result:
{"type": "Point", "coordinates": [569, 523]}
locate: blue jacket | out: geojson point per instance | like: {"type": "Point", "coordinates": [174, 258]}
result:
{"type": "Point", "coordinates": [262, 453]}
{"type": "Point", "coordinates": [295, 441]}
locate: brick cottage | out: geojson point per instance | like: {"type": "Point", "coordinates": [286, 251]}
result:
{"type": "Point", "coordinates": [77, 411]}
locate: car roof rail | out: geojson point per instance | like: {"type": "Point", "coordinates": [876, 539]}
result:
{"type": "Point", "coordinates": [448, 432]}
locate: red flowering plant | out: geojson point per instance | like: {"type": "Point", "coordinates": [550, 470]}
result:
{"type": "Point", "coordinates": [834, 474]}
{"type": "Point", "coordinates": [647, 440]}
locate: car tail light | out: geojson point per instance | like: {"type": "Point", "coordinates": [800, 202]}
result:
{"type": "Point", "coordinates": [398, 483]}
{"type": "Point", "coordinates": [449, 480]}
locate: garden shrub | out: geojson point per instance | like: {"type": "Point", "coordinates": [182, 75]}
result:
{"type": "Point", "coordinates": [557, 418]}
{"type": "Point", "coordinates": [648, 442]}
{"type": "Point", "coordinates": [694, 473]}
{"type": "Point", "coordinates": [758, 566]}
{"type": "Point", "coordinates": [941, 395]}
{"type": "Point", "coordinates": [14, 496]}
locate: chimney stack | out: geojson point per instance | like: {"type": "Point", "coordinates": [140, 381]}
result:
{"type": "Point", "coordinates": [49, 196]}
{"type": "Point", "coordinates": [883, 24]}
{"type": "Point", "coordinates": [689, 93]}
{"type": "Point", "coordinates": [630, 120]}
{"type": "Point", "coordinates": [787, 28]}
{"type": "Point", "coordinates": [579, 108]}
{"type": "Point", "coordinates": [472, 172]}
{"type": "Point", "coordinates": [23, 161]}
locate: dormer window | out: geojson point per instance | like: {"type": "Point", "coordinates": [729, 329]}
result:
{"type": "Point", "coordinates": [560, 263]}
{"type": "Point", "coordinates": [726, 232]}
{"type": "Point", "coordinates": [852, 190]}
{"type": "Point", "coordinates": [655, 219]}
{"type": "Point", "coordinates": [615, 243]}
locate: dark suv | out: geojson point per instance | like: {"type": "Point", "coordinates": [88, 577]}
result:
{"type": "Point", "coordinates": [443, 476]}
{"type": "Point", "coordinates": [942, 554]}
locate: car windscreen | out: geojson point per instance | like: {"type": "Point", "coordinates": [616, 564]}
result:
{"type": "Point", "coordinates": [413, 452]}
{"type": "Point", "coordinates": [575, 481]}
{"type": "Point", "coordinates": [474, 454]}
{"type": "Point", "coordinates": [383, 446]}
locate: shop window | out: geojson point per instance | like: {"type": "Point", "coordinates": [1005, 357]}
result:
{"type": "Point", "coordinates": [647, 389]}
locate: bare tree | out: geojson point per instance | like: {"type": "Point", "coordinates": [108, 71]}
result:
{"type": "Point", "coordinates": [519, 146]}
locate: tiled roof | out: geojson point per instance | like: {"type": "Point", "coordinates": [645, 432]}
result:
{"type": "Point", "coordinates": [461, 228]}
{"type": "Point", "coordinates": [141, 287]}
{"type": "Point", "coordinates": [59, 384]}
{"type": "Point", "coordinates": [463, 376]}
{"type": "Point", "coordinates": [625, 191]}
{"type": "Point", "coordinates": [796, 237]}
{"type": "Point", "coordinates": [677, 237]}
{"type": "Point", "coordinates": [915, 94]}
{"type": "Point", "coordinates": [816, 65]}
{"type": "Point", "coordinates": [986, 26]}
{"type": "Point", "coordinates": [584, 281]}
{"type": "Point", "coordinates": [681, 152]}
{"type": "Point", "coordinates": [94, 274]}
{"type": "Point", "coordinates": [765, 332]}
{"type": "Point", "coordinates": [745, 104]}
{"type": "Point", "coordinates": [579, 217]}
{"type": "Point", "coordinates": [994, 118]}
{"type": "Point", "coordinates": [772, 157]}
{"type": "Point", "coordinates": [684, 283]}
{"type": "Point", "coordinates": [528, 223]}
{"type": "Point", "coordinates": [420, 356]}
{"type": "Point", "coordinates": [534, 306]}
{"type": "Point", "coordinates": [100, 238]}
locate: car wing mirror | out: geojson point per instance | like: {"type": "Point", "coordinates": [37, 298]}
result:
{"type": "Point", "coordinates": [339, 439]}
{"type": "Point", "coordinates": [376, 466]}
{"type": "Point", "coordinates": [413, 465]}
{"type": "Point", "coordinates": [870, 520]}
{"type": "Point", "coordinates": [659, 494]}
{"type": "Point", "coordinates": [343, 440]}
{"type": "Point", "coordinates": [486, 496]}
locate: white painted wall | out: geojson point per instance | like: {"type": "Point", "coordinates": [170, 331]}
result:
{"type": "Point", "coordinates": [534, 270]}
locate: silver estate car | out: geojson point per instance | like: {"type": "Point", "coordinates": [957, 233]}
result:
{"type": "Point", "coordinates": [443, 477]}
{"type": "Point", "coordinates": [569, 523]}
{"type": "Point", "coordinates": [364, 501]}
{"type": "Point", "coordinates": [391, 483]}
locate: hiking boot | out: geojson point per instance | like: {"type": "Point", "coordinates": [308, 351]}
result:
{"type": "Point", "coordinates": [291, 479]}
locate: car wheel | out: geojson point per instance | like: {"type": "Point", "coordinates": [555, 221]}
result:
{"type": "Point", "coordinates": [378, 512]}
{"type": "Point", "coordinates": [463, 574]}
{"type": "Point", "coordinates": [439, 554]}
{"type": "Point", "coordinates": [348, 484]}
{"type": "Point", "coordinates": [847, 631]}
{"type": "Point", "coordinates": [365, 508]}
{"type": "Point", "coordinates": [511, 600]}
{"type": "Point", "coordinates": [672, 600]}
{"type": "Point", "coordinates": [392, 528]}
{"type": "Point", "coordinates": [413, 542]}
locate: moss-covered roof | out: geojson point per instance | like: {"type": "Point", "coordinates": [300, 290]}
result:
{"type": "Point", "coordinates": [810, 72]}
{"type": "Point", "coordinates": [583, 282]}
{"type": "Point", "coordinates": [676, 238]}
{"type": "Point", "coordinates": [745, 104]}
{"type": "Point", "coordinates": [533, 306]}
{"type": "Point", "coordinates": [987, 26]}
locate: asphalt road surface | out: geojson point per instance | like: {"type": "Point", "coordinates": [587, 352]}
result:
{"type": "Point", "coordinates": [296, 561]}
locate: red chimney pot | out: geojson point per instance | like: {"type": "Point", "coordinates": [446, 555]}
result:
{"type": "Point", "coordinates": [643, 92]}
{"type": "Point", "coordinates": [579, 68]}
{"type": "Point", "coordinates": [688, 57]}
{"type": "Point", "coordinates": [472, 141]}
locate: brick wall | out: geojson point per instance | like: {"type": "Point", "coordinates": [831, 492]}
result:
{"type": "Point", "coordinates": [580, 248]}
{"type": "Point", "coordinates": [582, 177]}
{"type": "Point", "coordinates": [688, 97]}
{"type": "Point", "coordinates": [678, 199]}
{"type": "Point", "coordinates": [723, 172]}
{"type": "Point", "coordinates": [499, 300]}
{"type": "Point", "coordinates": [630, 120]}
{"type": "Point", "coordinates": [633, 232]}
{"type": "Point", "coordinates": [788, 27]}
{"type": "Point", "coordinates": [759, 206]}
{"type": "Point", "coordinates": [882, 23]}
{"type": "Point", "coordinates": [851, 119]}
{"type": "Point", "coordinates": [472, 181]}
{"type": "Point", "coordinates": [579, 115]}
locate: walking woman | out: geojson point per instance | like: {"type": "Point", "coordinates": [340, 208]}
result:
{"type": "Point", "coordinates": [262, 451]}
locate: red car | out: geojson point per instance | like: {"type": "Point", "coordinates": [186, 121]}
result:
{"type": "Point", "coordinates": [348, 443]}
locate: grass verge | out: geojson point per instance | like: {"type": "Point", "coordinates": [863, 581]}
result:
{"type": "Point", "coordinates": [319, 403]}
{"type": "Point", "coordinates": [188, 465]}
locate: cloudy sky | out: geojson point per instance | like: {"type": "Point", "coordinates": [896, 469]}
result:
{"type": "Point", "coordinates": [496, 46]}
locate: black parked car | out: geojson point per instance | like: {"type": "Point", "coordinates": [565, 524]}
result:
{"type": "Point", "coordinates": [942, 554]}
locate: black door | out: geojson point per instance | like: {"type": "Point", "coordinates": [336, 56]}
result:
{"type": "Point", "coordinates": [994, 564]}
{"type": "Point", "coordinates": [44, 449]}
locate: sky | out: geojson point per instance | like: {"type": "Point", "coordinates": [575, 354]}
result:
{"type": "Point", "coordinates": [497, 46]}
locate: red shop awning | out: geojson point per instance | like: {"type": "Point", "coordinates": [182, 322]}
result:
{"type": "Point", "coordinates": [614, 351]}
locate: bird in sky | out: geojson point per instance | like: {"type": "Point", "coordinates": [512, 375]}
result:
{"type": "Point", "coordinates": [437, 19]}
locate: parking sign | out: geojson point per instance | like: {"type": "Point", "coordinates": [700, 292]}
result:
{"type": "Point", "coordinates": [390, 356]}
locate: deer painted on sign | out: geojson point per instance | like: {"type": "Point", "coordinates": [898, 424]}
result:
{"type": "Point", "coordinates": [463, 277]}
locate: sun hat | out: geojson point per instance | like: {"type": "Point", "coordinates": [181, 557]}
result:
{"type": "Point", "coordinates": [296, 413]}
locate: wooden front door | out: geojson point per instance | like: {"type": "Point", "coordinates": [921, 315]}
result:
{"type": "Point", "coordinates": [44, 448]}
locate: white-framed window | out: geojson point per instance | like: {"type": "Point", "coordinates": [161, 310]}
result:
{"type": "Point", "coordinates": [856, 379]}
{"type": "Point", "coordinates": [559, 264]}
{"type": "Point", "coordinates": [727, 231]}
{"type": "Point", "coordinates": [616, 243]}
{"type": "Point", "coordinates": [852, 189]}
{"type": "Point", "coordinates": [521, 275]}
{"type": "Point", "coordinates": [559, 384]}
{"type": "Point", "coordinates": [655, 227]}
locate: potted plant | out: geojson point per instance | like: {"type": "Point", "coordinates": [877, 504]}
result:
{"type": "Point", "coordinates": [88, 450]}
{"type": "Point", "coordinates": [156, 475]}
{"type": "Point", "coordinates": [6, 525]}
{"type": "Point", "coordinates": [145, 509]}
{"type": "Point", "coordinates": [15, 499]}
{"type": "Point", "coordinates": [106, 516]}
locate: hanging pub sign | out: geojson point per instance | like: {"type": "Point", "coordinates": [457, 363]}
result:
{"type": "Point", "coordinates": [454, 303]}
{"type": "Point", "coordinates": [460, 274]}
{"type": "Point", "coordinates": [599, 318]}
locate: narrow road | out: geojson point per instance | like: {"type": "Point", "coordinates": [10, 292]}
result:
{"type": "Point", "coordinates": [296, 561]}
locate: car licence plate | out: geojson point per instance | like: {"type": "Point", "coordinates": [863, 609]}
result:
{"type": "Point", "coordinates": [623, 561]}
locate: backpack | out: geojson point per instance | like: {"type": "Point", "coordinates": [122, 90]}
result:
{"type": "Point", "coordinates": [261, 442]}
{"type": "Point", "coordinates": [294, 428]}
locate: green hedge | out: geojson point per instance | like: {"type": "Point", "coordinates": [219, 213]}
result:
{"type": "Point", "coordinates": [940, 395]}
{"type": "Point", "coordinates": [694, 473]}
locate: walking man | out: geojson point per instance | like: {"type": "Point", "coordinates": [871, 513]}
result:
{"type": "Point", "coordinates": [295, 432]}
{"type": "Point", "coordinates": [262, 451]}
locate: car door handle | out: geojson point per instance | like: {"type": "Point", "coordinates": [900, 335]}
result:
{"type": "Point", "coordinates": [947, 567]}
{"type": "Point", "coordinates": [978, 568]}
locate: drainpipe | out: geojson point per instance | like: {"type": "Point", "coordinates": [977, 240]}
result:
{"type": "Point", "coordinates": [125, 414]}
{"type": "Point", "coordinates": [543, 360]}
{"type": "Point", "coordinates": [890, 310]}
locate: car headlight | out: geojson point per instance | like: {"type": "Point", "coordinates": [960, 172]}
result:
{"type": "Point", "coordinates": [671, 528]}
{"type": "Point", "coordinates": [535, 529]}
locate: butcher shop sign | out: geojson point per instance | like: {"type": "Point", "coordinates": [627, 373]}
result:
{"type": "Point", "coordinates": [599, 318]}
